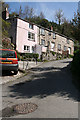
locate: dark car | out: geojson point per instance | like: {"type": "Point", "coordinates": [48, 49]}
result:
{"type": "Point", "coordinates": [8, 60]}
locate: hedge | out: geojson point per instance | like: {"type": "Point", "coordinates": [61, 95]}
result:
{"type": "Point", "coordinates": [76, 63]}
{"type": "Point", "coordinates": [30, 55]}
{"type": "Point", "coordinates": [75, 67]}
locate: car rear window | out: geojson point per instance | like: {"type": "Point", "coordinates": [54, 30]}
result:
{"type": "Point", "coordinates": [7, 54]}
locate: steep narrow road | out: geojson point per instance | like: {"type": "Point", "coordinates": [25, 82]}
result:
{"type": "Point", "coordinates": [50, 87]}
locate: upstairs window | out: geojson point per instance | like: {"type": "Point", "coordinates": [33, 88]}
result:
{"type": "Point", "coordinates": [31, 36]}
{"type": "Point", "coordinates": [42, 42]}
{"type": "Point", "coordinates": [42, 31]}
{"type": "Point", "coordinates": [59, 47]}
{"type": "Point", "coordinates": [65, 48]}
{"type": "Point", "coordinates": [30, 26]}
{"type": "Point", "coordinates": [54, 36]}
{"type": "Point", "coordinates": [68, 41]}
{"type": "Point", "coordinates": [49, 33]}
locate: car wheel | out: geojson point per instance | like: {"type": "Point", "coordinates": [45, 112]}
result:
{"type": "Point", "coordinates": [15, 72]}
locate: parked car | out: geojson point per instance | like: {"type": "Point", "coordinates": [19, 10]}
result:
{"type": "Point", "coordinates": [8, 60]}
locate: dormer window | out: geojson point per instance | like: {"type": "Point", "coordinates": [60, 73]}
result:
{"type": "Point", "coordinates": [30, 26]}
{"type": "Point", "coordinates": [42, 31]}
{"type": "Point", "coordinates": [68, 41]}
{"type": "Point", "coordinates": [54, 36]}
{"type": "Point", "coordinates": [49, 33]}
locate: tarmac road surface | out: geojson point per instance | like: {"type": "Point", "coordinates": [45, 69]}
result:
{"type": "Point", "coordinates": [50, 87]}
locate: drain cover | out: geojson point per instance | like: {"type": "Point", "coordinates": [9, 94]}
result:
{"type": "Point", "coordinates": [25, 108]}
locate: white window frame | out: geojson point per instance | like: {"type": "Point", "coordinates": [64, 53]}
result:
{"type": "Point", "coordinates": [52, 44]}
{"type": "Point", "coordinates": [31, 26]}
{"type": "Point", "coordinates": [65, 48]}
{"type": "Point", "coordinates": [54, 36]}
{"type": "Point", "coordinates": [32, 36]}
{"type": "Point", "coordinates": [27, 48]}
{"type": "Point", "coordinates": [33, 49]}
{"type": "Point", "coordinates": [42, 31]}
{"type": "Point", "coordinates": [59, 47]}
{"type": "Point", "coordinates": [49, 33]}
{"type": "Point", "coordinates": [68, 42]}
{"type": "Point", "coordinates": [43, 42]}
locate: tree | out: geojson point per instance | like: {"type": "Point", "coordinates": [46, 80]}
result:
{"type": "Point", "coordinates": [28, 12]}
{"type": "Point", "coordinates": [31, 13]}
{"type": "Point", "coordinates": [59, 16]}
{"type": "Point", "coordinates": [20, 12]}
{"type": "Point", "coordinates": [76, 25]}
{"type": "Point", "coordinates": [41, 15]}
{"type": "Point", "coordinates": [45, 23]}
{"type": "Point", "coordinates": [4, 5]}
{"type": "Point", "coordinates": [13, 14]}
{"type": "Point", "coordinates": [5, 28]}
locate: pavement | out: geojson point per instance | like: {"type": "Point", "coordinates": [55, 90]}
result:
{"type": "Point", "coordinates": [23, 66]}
{"type": "Point", "coordinates": [49, 86]}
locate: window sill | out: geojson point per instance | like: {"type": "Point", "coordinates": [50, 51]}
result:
{"type": "Point", "coordinates": [31, 40]}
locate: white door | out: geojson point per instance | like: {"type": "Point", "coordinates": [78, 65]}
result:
{"type": "Point", "coordinates": [69, 49]}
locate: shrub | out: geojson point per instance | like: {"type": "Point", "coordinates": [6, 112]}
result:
{"type": "Point", "coordinates": [29, 56]}
{"type": "Point", "coordinates": [70, 56]}
{"type": "Point", "coordinates": [76, 63]}
{"type": "Point", "coordinates": [18, 55]}
{"type": "Point", "coordinates": [35, 56]}
{"type": "Point", "coordinates": [45, 60]}
{"type": "Point", "coordinates": [53, 53]}
{"type": "Point", "coordinates": [75, 67]}
{"type": "Point", "coordinates": [39, 60]}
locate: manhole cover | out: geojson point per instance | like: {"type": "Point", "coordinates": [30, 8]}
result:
{"type": "Point", "coordinates": [25, 108]}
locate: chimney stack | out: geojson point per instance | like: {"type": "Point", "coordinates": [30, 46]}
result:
{"type": "Point", "coordinates": [51, 28]}
{"type": "Point", "coordinates": [7, 13]}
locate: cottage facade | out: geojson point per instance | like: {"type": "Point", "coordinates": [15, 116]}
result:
{"type": "Point", "coordinates": [31, 38]}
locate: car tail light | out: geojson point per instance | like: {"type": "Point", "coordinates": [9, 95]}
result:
{"type": "Point", "coordinates": [15, 61]}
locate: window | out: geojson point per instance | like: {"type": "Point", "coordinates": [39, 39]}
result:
{"type": "Point", "coordinates": [65, 48]}
{"type": "Point", "coordinates": [33, 49]}
{"type": "Point", "coordinates": [48, 43]}
{"type": "Point", "coordinates": [24, 47]}
{"type": "Point", "coordinates": [27, 48]}
{"type": "Point", "coordinates": [59, 47]}
{"type": "Point", "coordinates": [31, 36]}
{"type": "Point", "coordinates": [42, 31]}
{"type": "Point", "coordinates": [49, 33]}
{"type": "Point", "coordinates": [68, 41]}
{"type": "Point", "coordinates": [30, 26]}
{"type": "Point", "coordinates": [54, 35]}
{"type": "Point", "coordinates": [7, 54]}
{"type": "Point", "coordinates": [52, 45]}
{"type": "Point", "coordinates": [42, 42]}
